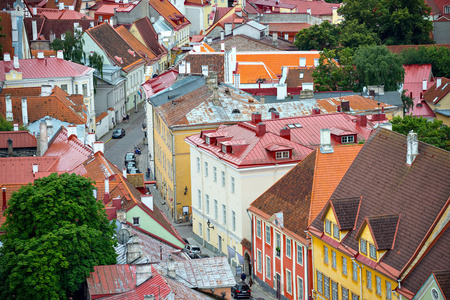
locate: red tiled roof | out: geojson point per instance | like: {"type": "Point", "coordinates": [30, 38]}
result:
{"type": "Point", "coordinates": [21, 139]}
{"type": "Point", "coordinates": [67, 14]}
{"type": "Point", "coordinates": [170, 13]}
{"type": "Point", "coordinates": [288, 27]}
{"type": "Point", "coordinates": [197, 38]}
{"type": "Point", "coordinates": [318, 8]}
{"type": "Point", "coordinates": [413, 83]}
{"type": "Point", "coordinates": [274, 3]}
{"type": "Point", "coordinates": [19, 170]}
{"type": "Point", "coordinates": [149, 36]}
{"type": "Point", "coordinates": [159, 83]}
{"type": "Point", "coordinates": [145, 53]}
{"type": "Point", "coordinates": [435, 94]}
{"type": "Point", "coordinates": [399, 48]}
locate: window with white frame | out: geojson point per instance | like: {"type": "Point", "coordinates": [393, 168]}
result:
{"type": "Point", "coordinates": [355, 297]}
{"type": "Point", "coordinates": [282, 154]}
{"type": "Point", "coordinates": [333, 259]}
{"type": "Point", "coordinates": [355, 272]}
{"type": "Point", "coordinates": [233, 220]}
{"type": "Point", "coordinates": [200, 229]}
{"type": "Point", "coordinates": [369, 279]}
{"type": "Point", "coordinates": [199, 193]}
{"type": "Point", "coordinates": [347, 139]}
{"type": "Point", "coordinates": [259, 260]}
{"type": "Point", "coordinates": [278, 241]}
{"type": "Point", "coordinates": [299, 254]}
{"type": "Point", "coordinates": [215, 174]}
{"type": "Point", "coordinates": [208, 140]}
{"type": "Point", "coordinates": [446, 9]}
{"type": "Point", "coordinates": [206, 169]}
{"type": "Point", "coordinates": [388, 290]}
{"type": "Point", "coordinates": [258, 229]}
{"type": "Point", "coordinates": [136, 221]}
{"type": "Point", "coordinates": [373, 251]}
{"type": "Point", "coordinates": [319, 282]}
{"type": "Point", "coordinates": [198, 164]}
{"type": "Point", "coordinates": [232, 184]}
{"type": "Point", "coordinates": [288, 247]}
{"type": "Point", "coordinates": [334, 290]}
{"type": "Point", "coordinates": [85, 89]}
{"type": "Point", "coordinates": [300, 287]}
{"type": "Point", "coordinates": [288, 281]}
{"type": "Point", "coordinates": [378, 285]}
{"type": "Point", "coordinates": [216, 212]}
{"type": "Point", "coordinates": [267, 234]}
{"type": "Point", "coordinates": [344, 266]}
{"type": "Point", "coordinates": [207, 203]}
{"type": "Point", "coordinates": [316, 62]}
{"type": "Point", "coordinates": [224, 214]}
{"type": "Point", "coordinates": [325, 254]}
{"type": "Point", "coordinates": [328, 226]}
{"type": "Point", "coordinates": [223, 178]}
{"type": "Point", "coordinates": [224, 148]}
{"type": "Point", "coordinates": [268, 268]}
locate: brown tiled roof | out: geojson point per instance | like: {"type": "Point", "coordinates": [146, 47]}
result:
{"type": "Point", "coordinates": [101, 116]}
{"type": "Point", "coordinates": [114, 46]}
{"type": "Point", "coordinates": [21, 92]}
{"type": "Point", "coordinates": [149, 36]}
{"type": "Point", "coordinates": [384, 230]}
{"type": "Point", "coordinates": [214, 61]}
{"type": "Point", "coordinates": [143, 51]}
{"type": "Point", "coordinates": [244, 43]}
{"type": "Point", "coordinates": [346, 211]}
{"type": "Point", "coordinates": [389, 186]}
{"type": "Point", "coordinates": [434, 95]}
{"type": "Point", "coordinates": [246, 244]}
{"type": "Point", "coordinates": [170, 13]}
{"type": "Point", "coordinates": [137, 180]}
{"type": "Point", "coordinates": [47, 27]}
{"type": "Point", "coordinates": [443, 279]}
{"type": "Point", "coordinates": [293, 77]}
{"type": "Point", "coordinates": [6, 41]}
{"type": "Point", "coordinates": [47, 53]}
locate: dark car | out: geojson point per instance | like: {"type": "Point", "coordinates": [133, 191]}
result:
{"type": "Point", "coordinates": [241, 290]}
{"type": "Point", "coordinates": [118, 133]}
{"type": "Point", "coordinates": [131, 165]}
{"type": "Point", "coordinates": [198, 255]}
{"type": "Point", "coordinates": [130, 157]}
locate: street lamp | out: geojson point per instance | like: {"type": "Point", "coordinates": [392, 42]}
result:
{"type": "Point", "coordinates": [209, 225]}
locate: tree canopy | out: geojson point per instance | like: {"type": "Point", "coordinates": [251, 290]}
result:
{"type": "Point", "coordinates": [438, 57]}
{"type": "Point", "coordinates": [72, 45]}
{"type": "Point", "coordinates": [5, 125]}
{"type": "Point", "coordinates": [56, 232]}
{"type": "Point", "coordinates": [317, 37]}
{"type": "Point", "coordinates": [430, 132]}
{"type": "Point", "coordinates": [378, 66]}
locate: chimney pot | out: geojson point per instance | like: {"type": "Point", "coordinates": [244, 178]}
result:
{"type": "Point", "coordinates": [260, 129]}
{"type": "Point", "coordinates": [256, 117]}
{"type": "Point", "coordinates": [325, 141]}
{"type": "Point", "coordinates": [316, 111]}
{"type": "Point", "coordinates": [222, 47]}
{"type": "Point", "coordinates": [6, 56]}
{"type": "Point", "coordinates": [412, 147]}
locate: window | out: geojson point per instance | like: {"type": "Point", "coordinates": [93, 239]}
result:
{"type": "Point", "coordinates": [373, 251]}
{"type": "Point", "coordinates": [328, 227]}
{"type": "Point", "coordinates": [215, 174]}
{"type": "Point", "coordinates": [233, 220]}
{"type": "Point", "coordinates": [344, 293]}
{"type": "Point", "coordinates": [319, 283]}
{"type": "Point", "coordinates": [347, 139]}
{"type": "Point", "coordinates": [334, 290]}
{"type": "Point", "coordinates": [288, 247]}
{"type": "Point", "coordinates": [259, 261]}
{"type": "Point", "coordinates": [369, 279]}
{"type": "Point", "coordinates": [326, 287]}
{"type": "Point", "coordinates": [206, 169]}
{"type": "Point", "coordinates": [333, 259]}
{"type": "Point", "coordinates": [199, 193]}
{"type": "Point", "coordinates": [200, 229]}
{"type": "Point", "coordinates": [224, 148]}
{"type": "Point", "coordinates": [223, 178]}
{"type": "Point", "coordinates": [267, 234]}
{"type": "Point", "coordinates": [355, 271]}
{"type": "Point", "coordinates": [363, 246]}
{"type": "Point", "coordinates": [224, 214]}
{"type": "Point", "coordinates": [232, 185]}
{"type": "Point", "coordinates": [446, 9]}
{"type": "Point", "coordinates": [76, 89]}
{"type": "Point", "coordinates": [300, 255]}
{"type": "Point", "coordinates": [300, 287]}
{"type": "Point", "coordinates": [136, 221]}
{"type": "Point", "coordinates": [325, 254]}
{"type": "Point", "coordinates": [198, 164]}
{"type": "Point", "coordinates": [216, 213]}
{"type": "Point", "coordinates": [288, 282]}
{"type": "Point", "coordinates": [378, 285]}
{"type": "Point", "coordinates": [344, 266]}
{"type": "Point", "coordinates": [207, 203]}
{"type": "Point", "coordinates": [64, 87]}
{"type": "Point", "coordinates": [278, 241]}
{"type": "Point", "coordinates": [268, 269]}
{"type": "Point", "coordinates": [355, 297]}
{"type": "Point", "coordinates": [208, 140]}
{"type": "Point", "coordinates": [282, 154]}
{"type": "Point", "coordinates": [85, 90]}
{"type": "Point", "coordinates": [316, 62]}
{"type": "Point", "coordinates": [388, 290]}
{"type": "Point", "coordinates": [258, 228]}
{"type": "Point", "coordinates": [336, 231]}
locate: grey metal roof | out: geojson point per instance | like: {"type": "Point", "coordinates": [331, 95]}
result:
{"type": "Point", "coordinates": [445, 112]}
{"type": "Point", "coordinates": [178, 89]}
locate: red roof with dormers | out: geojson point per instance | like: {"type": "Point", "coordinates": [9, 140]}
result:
{"type": "Point", "coordinates": [435, 93]}
{"type": "Point", "coordinates": [50, 13]}
{"type": "Point", "coordinates": [249, 149]}
{"type": "Point", "coordinates": [159, 83]}
{"type": "Point", "coordinates": [170, 13]}
{"type": "Point", "coordinates": [413, 83]}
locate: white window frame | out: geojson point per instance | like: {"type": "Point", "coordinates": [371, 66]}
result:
{"type": "Point", "coordinates": [344, 265]}
{"type": "Point", "coordinates": [268, 267]}
{"type": "Point", "coordinates": [326, 287]}
{"type": "Point", "coordinates": [369, 280]}
{"type": "Point", "coordinates": [216, 210]}
{"type": "Point", "coordinates": [344, 293]}
{"type": "Point", "coordinates": [136, 221]}
{"type": "Point", "coordinates": [199, 199]}
{"type": "Point", "coordinates": [363, 246]}
{"type": "Point", "coordinates": [281, 154]}
{"type": "Point", "coordinates": [378, 285]}
{"type": "Point", "coordinates": [289, 281]}
{"type": "Point", "coordinates": [215, 173]}
{"type": "Point", "coordinates": [224, 214]}
{"type": "Point", "coordinates": [288, 247]}
{"type": "Point", "coordinates": [259, 264]}
{"type": "Point", "coordinates": [299, 254]}
{"type": "Point", "coordinates": [354, 271]}
{"type": "Point", "coordinates": [346, 139]}
{"type": "Point", "coordinates": [223, 178]}
{"type": "Point", "coordinates": [372, 251]}
{"type": "Point", "coordinates": [206, 169]}
{"type": "Point", "coordinates": [388, 290]}
{"type": "Point", "coordinates": [258, 228]}
{"type": "Point", "coordinates": [268, 237]}
{"type": "Point", "coordinates": [233, 220]}
{"type": "Point", "coordinates": [334, 290]}
{"type": "Point", "coordinates": [327, 226]}
{"type": "Point", "coordinates": [325, 255]}
{"type": "Point", "coordinates": [336, 232]}
{"type": "Point", "coordinates": [207, 203]}
{"type": "Point", "coordinates": [319, 282]}
{"type": "Point", "coordinates": [333, 259]}
{"type": "Point", "coordinates": [300, 288]}
{"type": "Point", "coordinates": [198, 164]}
{"type": "Point", "coordinates": [233, 188]}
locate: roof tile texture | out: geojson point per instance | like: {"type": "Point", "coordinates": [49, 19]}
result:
{"type": "Point", "coordinates": [435, 94]}
{"type": "Point", "coordinates": [213, 61]}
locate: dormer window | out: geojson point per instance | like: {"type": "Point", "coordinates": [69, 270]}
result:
{"type": "Point", "coordinates": [373, 251]}
{"type": "Point", "coordinates": [336, 233]}
{"type": "Point", "coordinates": [347, 139]}
{"type": "Point", "coordinates": [363, 246]}
{"type": "Point", "coordinates": [208, 140]}
{"type": "Point", "coordinates": [282, 154]}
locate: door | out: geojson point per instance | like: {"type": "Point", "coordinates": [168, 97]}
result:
{"type": "Point", "coordinates": [220, 244]}
{"type": "Point", "coordinates": [278, 285]}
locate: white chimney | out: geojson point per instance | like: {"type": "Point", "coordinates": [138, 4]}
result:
{"type": "Point", "coordinates": [222, 35]}
{"type": "Point", "coordinates": [99, 146]}
{"type": "Point", "coordinates": [222, 47]}
{"type": "Point", "coordinates": [9, 111]}
{"type": "Point", "coordinates": [325, 141]}
{"type": "Point", "coordinates": [188, 67]}
{"type": "Point", "coordinates": [438, 82]}
{"type": "Point", "coordinates": [34, 11]}
{"type": "Point", "coordinates": [24, 111]}
{"type": "Point", "coordinates": [16, 127]}
{"type": "Point", "coordinates": [205, 70]}
{"type": "Point", "coordinates": [16, 62]}
{"type": "Point", "coordinates": [35, 168]}
{"type": "Point", "coordinates": [34, 29]}
{"type": "Point", "coordinates": [72, 130]}
{"type": "Point", "coordinates": [197, 48]}
{"type": "Point", "coordinates": [182, 68]}
{"type": "Point", "coordinates": [71, 7]}
{"type": "Point", "coordinates": [61, 5]}
{"type": "Point", "coordinates": [40, 55]}
{"type": "Point", "coordinates": [60, 54]}
{"type": "Point", "coordinates": [91, 24]}
{"type": "Point", "coordinates": [46, 90]}
{"type": "Point", "coordinates": [43, 137]}
{"type": "Point", "coordinates": [237, 80]}
{"type": "Point", "coordinates": [6, 56]}
{"type": "Point", "coordinates": [106, 185]}
{"type": "Point", "coordinates": [147, 200]}
{"type": "Point", "coordinates": [424, 84]}
{"type": "Point", "coordinates": [90, 139]}
{"type": "Point", "coordinates": [387, 125]}
{"type": "Point", "coordinates": [171, 268]}
{"type": "Point", "coordinates": [124, 172]}
{"type": "Point", "coordinates": [412, 148]}
{"type": "Point", "coordinates": [308, 11]}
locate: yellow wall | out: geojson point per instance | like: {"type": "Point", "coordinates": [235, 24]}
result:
{"type": "Point", "coordinates": [443, 104]}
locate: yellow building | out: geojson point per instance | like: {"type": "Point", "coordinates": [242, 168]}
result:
{"type": "Point", "coordinates": [438, 98]}
{"type": "Point", "coordinates": [376, 238]}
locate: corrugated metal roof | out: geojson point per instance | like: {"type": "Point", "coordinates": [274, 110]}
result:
{"type": "Point", "coordinates": [160, 82]}
{"type": "Point", "coordinates": [111, 280]}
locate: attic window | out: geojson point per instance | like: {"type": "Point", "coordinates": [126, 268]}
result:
{"type": "Point", "coordinates": [136, 221]}
{"type": "Point", "coordinates": [296, 125]}
{"type": "Point", "coordinates": [227, 91]}
{"type": "Point", "coordinates": [363, 246]}
{"type": "Point", "coordinates": [224, 148]}
{"type": "Point", "coordinates": [272, 109]}
{"type": "Point", "coordinates": [236, 111]}
{"type": "Point", "coordinates": [435, 99]}
{"type": "Point", "coordinates": [443, 88]}
{"type": "Point", "coordinates": [301, 74]}
{"type": "Point", "coordinates": [373, 251]}
{"type": "Point", "coordinates": [282, 154]}
{"type": "Point", "coordinates": [347, 139]}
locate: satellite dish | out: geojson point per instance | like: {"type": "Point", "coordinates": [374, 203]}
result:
{"type": "Point", "coordinates": [123, 236]}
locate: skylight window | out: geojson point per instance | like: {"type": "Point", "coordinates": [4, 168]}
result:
{"type": "Point", "coordinates": [444, 86]}
{"type": "Point", "coordinates": [435, 99]}
{"type": "Point", "coordinates": [291, 125]}
{"type": "Point", "coordinates": [298, 125]}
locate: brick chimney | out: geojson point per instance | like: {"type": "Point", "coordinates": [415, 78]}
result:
{"type": "Point", "coordinates": [361, 120]}
{"type": "Point", "coordinates": [43, 137]}
{"type": "Point", "coordinates": [256, 117]}
{"type": "Point", "coordinates": [325, 141]}
{"type": "Point", "coordinates": [10, 148]}
{"type": "Point", "coordinates": [4, 199]}
{"type": "Point", "coordinates": [106, 197]}
{"type": "Point", "coordinates": [275, 115]}
{"type": "Point", "coordinates": [315, 111]}
{"type": "Point", "coordinates": [412, 147]}
{"type": "Point", "coordinates": [260, 129]}
{"type": "Point", "coordinates": [117, 203]}
{"type": "Point", "coordinates": [285, 133]}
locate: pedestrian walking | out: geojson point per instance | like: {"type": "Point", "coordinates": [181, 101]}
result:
{"type": "Point", "coordinates": [243, 276]}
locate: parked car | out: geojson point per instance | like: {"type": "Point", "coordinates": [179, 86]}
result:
{"type": "Point", "coordinates": [241, 290]}
{"type": "Point", "coordinates": [130, 157]}
{"type": "Point", "coordinates": [198, 255]}
{"type": "Point", "coordinates": [118, 133]}
{"type": "Point", "coordinates": [191, 249]}
{"type": "Point", "coordinates": [131, 165]}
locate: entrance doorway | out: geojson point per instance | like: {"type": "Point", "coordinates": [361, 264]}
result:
{"type": "Point", "coordinates": [247, 263]}
{"type": "Point", "coordinates": [278, 285]}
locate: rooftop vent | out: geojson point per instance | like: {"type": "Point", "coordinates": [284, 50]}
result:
{"type": "Point", "coordinates": [236, 111]}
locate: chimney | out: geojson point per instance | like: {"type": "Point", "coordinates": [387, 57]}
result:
{"type": "Point", "coordinates": [412, 148]}
{"type": "Point", "coordinates": [188, 67]}
{"type": "Point", "coordinates": [262, 99]}
{"type": "Point", "coordinates": [124, 172]}
{"type": "Point", "coordinates": [121, 215]}
{"type": "Point", "coordinates": [117, 203]}
{"type": "Point", "coordinates": [99, 146]}
{"type": "Point", "coordinates": [90, 140]}
{"type": "Point", "coordinates": [256, 117]}
{"type": "Point", "coordinates": [16, 127]}
{"type": "Point", "coordinates": [91, 24]}
{"type": "Point", "coordinates": [9, 111]}
{"type": "Point", "coordinates": [171, 267]}
{"type": "Point", "coordinates": [205, 70]}
{"type": "Point", "coordinates": [40, 55]}
{"type": "Point", "coordinates": [222, 47]}
{"type": "Point", "coordinates": [44, 137]}
{"type": "Point", "coordinates": [4, 199]}
{"type": "Point", "coordinates": [260, 129]}
{"type": "Point", "coordinates": [308, 11]}
{"type": "Point", "coordinates": [34, 11]}
{"type": "Point", "coordinates": [387, 125]}
{"type": "Point", "coordinates": [16, 62]}
{"type": "Point", "coordinates": [222, 35]}
{"type": "Point", "coordinates": [361, 120]}
{"type": "Point", "coordinates": [424, 84]}
{"type": "Point", "coordinates": [61, 5]}
{"type": "Point", "coordinates": [147, 200]}
{"type": "Point", "coordinates": [46, 90]}
{"type": "Point", "coordinates": [60, 54]}
{"type": "Point", "coordinates": [35, 168]}
{"type": "Point", "coordinates": [274, 38]}
{"type": "Point", "coordinates": [196, 48]}
{"type": "Point", "coordinates": [228, 28]}
{"type": "Point", "coordinates": [72, 130]}
{"type": "Point", "coordinates": [24, 111]}
{"type": "Point", "coordinates": [316, 111]}
{"type": "Point", "coordinates": [106, 198]}
{"type": "Point", "coordinates": [182, 67]}
{"type": "Point", "coordinates": [285, 133]}
{"type": "Point", "coordinates": [237, 80]}
{"type": "Point", "coordinates": [133, 249]}
{"type": "Point", "coordinates": [438, 82]}
{"type": "Point", "coordinates": [215, 96]}
{"type": "Point", "coordinates": [275, 115]}
{"type": "Point", "coordinates": [6, 56]}
{"type": "Point", "coordinates": [345, 105]}
{"type": "Point", "coordinates": [34, 29]}
{"type": "Point", "coordinates": [325, 141]}
{"type": "Point", "coordinates": [10, 148]}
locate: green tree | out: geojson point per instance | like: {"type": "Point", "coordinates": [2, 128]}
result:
{"type": "Point", "coordinates": [354, 35]}
{"type": "Point", "coordinates": [72, 45]}
{"type": "Point", "coordinates": [331, 75]}
{"type": "Point", "coordinates": [96, 62]}
{"type": "Point", "coordinates": [438, 57]}
{"type": "Point", "coordinates": [401, 22]}
{"type": "Point", "coordinates": [5, 125]}
{"type": "Point", "coordinates": [430, 132]}
{"type": "Point", "coordinates": [378, 66]}
{"type": "Point", "coordinates": [407, 102]}
{"type": "Point", "coordinates": [317, 37]}
{"type": "Point", "coordinates": [56, 232]}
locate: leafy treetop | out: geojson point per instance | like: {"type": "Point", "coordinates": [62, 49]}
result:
{"type": "Point", "coordinates": [72, 45]}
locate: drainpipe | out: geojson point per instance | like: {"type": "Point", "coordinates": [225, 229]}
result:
{"type": "Point", "coordinates": [306, 287]}
{"type": "Point", "coordinates": [360, 276]}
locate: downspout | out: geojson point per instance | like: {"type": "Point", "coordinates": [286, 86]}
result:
{"type": "Point", "coordinates": [306, 287]}
{"type": "Point", "coordinates": [174, 180]}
